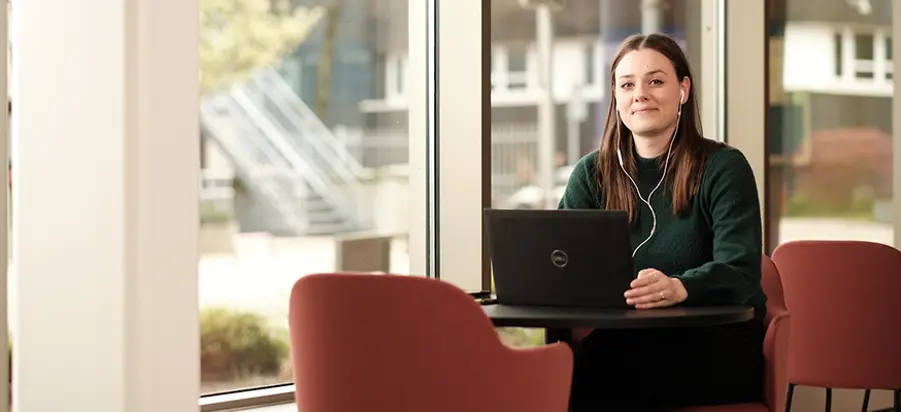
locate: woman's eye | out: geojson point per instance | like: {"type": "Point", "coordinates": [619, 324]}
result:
{"type": "Point", "coordinates": [656, 81]}
{"type": "Point", "coordinates": [625, 85]}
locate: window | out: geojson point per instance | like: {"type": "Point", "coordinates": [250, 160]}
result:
{"type": "Point", "coordinates": [590, 64]}
{"type": "Point", "coordinates": [839, 59]}
{"type": "Point", "coordinates": [860, 55]}
{"type": "Point", "coordinates": [315, 172]}
{"type": "Point", "coordinates": [863, 56]}
{"type": "Point", "coordinates": [830, 160]}
{"type": "Point", "coordinates": [536, 140]}
{"type": "Point", "coordinates": [517, 68]}
{"type": "Point", "coordinates": [400, 76]}
{"type": "Point", "coordinates": [889, 67]}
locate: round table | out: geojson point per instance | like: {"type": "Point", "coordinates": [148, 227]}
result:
{"type": "Point", "coordinates": [579, 317]}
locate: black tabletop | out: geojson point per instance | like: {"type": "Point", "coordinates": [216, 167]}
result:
{"type": "Point", "coordinates": [564, 317]}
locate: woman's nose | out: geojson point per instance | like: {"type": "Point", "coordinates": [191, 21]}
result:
{"type": "Point", "coordinates": [640, 93]}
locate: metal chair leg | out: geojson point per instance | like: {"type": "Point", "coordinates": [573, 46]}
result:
{"type": "Point", "coordinates": [828, 399]}
{"type": "Point", "coordinates": [788, 397]}
{"type": "Point", "coordinates": [866, 401]}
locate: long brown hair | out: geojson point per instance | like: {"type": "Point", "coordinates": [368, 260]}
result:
{"type": "Point", "coordinates": [689, 150]}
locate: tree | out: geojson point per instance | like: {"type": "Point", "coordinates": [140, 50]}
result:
{"type": "Point", "coordinates": [240, 36]}
{"type": "Point", "coordinates": [324, 76]}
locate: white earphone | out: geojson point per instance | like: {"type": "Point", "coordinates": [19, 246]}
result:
{"type": "Point", "coordinates": [647, 201]}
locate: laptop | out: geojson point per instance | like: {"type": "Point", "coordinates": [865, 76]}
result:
{"type": "Point", "coordinates": [574, 258]}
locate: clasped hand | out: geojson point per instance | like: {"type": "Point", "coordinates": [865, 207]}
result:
{"type": "Point", "coordinates": [654, 289]}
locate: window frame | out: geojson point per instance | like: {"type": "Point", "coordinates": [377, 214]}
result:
{"type": "Point", "coordinates": [896, 121]}
{"type": "Point", "coordinates": [746, 89]}
{"type": "Point", "coordinates": [464, 115]}
{"type": "Point", "coordinates": [422, 97]}
{"type": "Point", "coordinates": [466, 54]}
{"type": "Point", "coordinates": [5, 69]}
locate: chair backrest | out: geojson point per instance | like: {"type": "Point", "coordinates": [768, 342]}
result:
{"type": "Point", "coordinates": [845, 303]}
{"type": "Point", "coordinates": [364, 342]}
{"type": "Point", "coordinates": [776, 339]}
{"type": "Point", "coordinates": [771, 282]}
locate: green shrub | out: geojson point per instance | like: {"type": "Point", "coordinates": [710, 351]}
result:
{"type": "Point", "coordinates": [521, 337]}
{"type": "Point", "coordinates": [238, 345]}
{"type": "Point", "coordinates": [211, 215]}
{"type": "Point", "coordinates": [800, 205]}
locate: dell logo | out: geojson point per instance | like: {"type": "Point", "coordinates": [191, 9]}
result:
{"type": "Point", "coordinates": [559, 258]}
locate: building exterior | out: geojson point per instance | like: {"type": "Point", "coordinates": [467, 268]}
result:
{"type": "Point", "coordinates": [365, 101]}
{"type": "Point", "coordinates": [830, 123]}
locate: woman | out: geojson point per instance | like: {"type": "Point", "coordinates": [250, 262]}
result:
{"type": "Point", "coordinates": [696, 235]}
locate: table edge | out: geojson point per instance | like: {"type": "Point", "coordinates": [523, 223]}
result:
{"type": "Point", "coordinates": [716, 319]}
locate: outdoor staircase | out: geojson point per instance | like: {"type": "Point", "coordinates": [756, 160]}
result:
{"type": "Point", "coordinates": [286, 156]}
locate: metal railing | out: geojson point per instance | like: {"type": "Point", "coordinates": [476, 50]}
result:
{"type": "Point", "coordinates": [256, 159]}
{"type": "Point", "coordinates": [281, 101]}
{"type": "Point", "coordinates": [340, 194]}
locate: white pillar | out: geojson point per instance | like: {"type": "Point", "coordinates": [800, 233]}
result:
{"type": "Point", "coordinates": [106, 197]}
{"type": "Point", "coordinates": [547, 108]}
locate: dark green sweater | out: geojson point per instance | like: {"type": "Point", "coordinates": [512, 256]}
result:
{"type": "Point", "coordinates": [714, 247]}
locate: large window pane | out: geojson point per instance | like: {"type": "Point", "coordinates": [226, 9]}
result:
{"type": "Point", "coordinates": [830, 108]}
{"type": "Point", "coordinates": [304, 126]}
{"type": "Point", "coordinates": [537, 136]}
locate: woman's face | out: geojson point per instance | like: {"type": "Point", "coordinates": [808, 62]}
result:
{"type": "Point", "coordinates": [648, 93]}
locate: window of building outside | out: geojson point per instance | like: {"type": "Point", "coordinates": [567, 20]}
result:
{"type": "Point", "coordinates": [830, 149]}
{"type": "Point", "coordinates": [304, 134]}
{"type": "Point", "coordinates": [537, 137]}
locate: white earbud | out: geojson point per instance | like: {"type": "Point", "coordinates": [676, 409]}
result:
{"type": "Point", "coordinates": [647, 201]}
{"type": "Point", "coordinates": [681, 97]}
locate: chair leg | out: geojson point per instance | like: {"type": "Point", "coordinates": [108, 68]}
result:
{"type": "Point", "coordinates": [866, 401]}
{"type": "Point", "coordinates": [828, 399]}
{"type": "Point", "coordinates": [788, 397]}
{"type": "Point", "coordinates": [897, 400]}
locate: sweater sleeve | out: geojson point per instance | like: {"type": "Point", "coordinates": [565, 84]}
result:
{"type": "Point", "coordinates": [733, 210]}
{"type": "Point", "coordinates": [581, 188]}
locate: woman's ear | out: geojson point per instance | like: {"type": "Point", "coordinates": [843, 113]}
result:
{"type": "Point", "coordinates": [686, 89]}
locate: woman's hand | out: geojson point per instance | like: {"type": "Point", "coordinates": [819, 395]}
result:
{"type": "Point", "coordinates": [653, 289]}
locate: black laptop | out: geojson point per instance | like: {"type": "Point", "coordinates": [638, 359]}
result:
{"type": "Point", "coordinates": [577, 258]}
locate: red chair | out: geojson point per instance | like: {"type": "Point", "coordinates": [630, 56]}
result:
{"type": "Point", "coordinates": [845, 299]}
{"type": "Point", "coordinates": [364, 342]}
{"type": "Point", "coordinates": [775, 349]}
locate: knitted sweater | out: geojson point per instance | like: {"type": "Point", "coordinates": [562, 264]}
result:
{"type": "Point", "coordinates": [714, 247]}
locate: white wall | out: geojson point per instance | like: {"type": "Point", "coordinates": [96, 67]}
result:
{"type": "Point", "coordinates": [105, 191]}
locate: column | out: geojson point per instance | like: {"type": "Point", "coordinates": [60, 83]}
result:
{"type": "Point", "coordinates": [618, 19]}
{"type": "Point", "coordinates": [106, 195]}
{"type": "Point", "coordinates": [461, 182]}
{"type": "Point", "coordinates": [746, 88]}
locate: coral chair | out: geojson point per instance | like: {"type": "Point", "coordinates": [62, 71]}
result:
{"type": "Point", "coordinates": [362, 342]}
{"type": "Point", "coordinates": [775, 349]}
{"type": "Point", "coordinates": [846, 312]}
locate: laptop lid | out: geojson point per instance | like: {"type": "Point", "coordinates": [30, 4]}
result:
{"type": "Point", "coordinates": [560, 257]}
